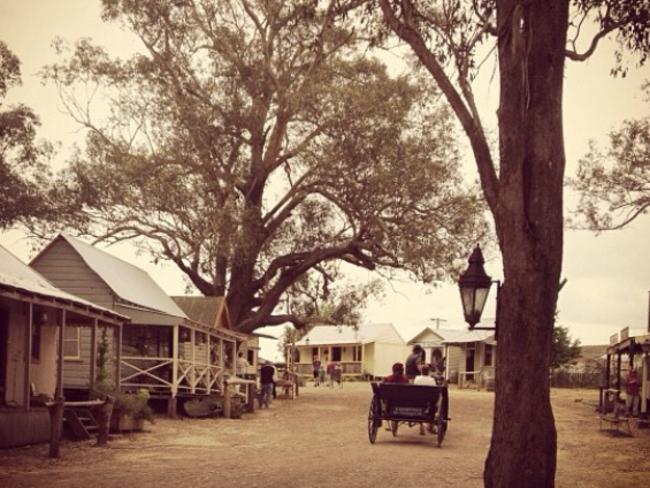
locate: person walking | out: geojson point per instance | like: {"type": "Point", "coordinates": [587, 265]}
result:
{"type": "Point", "coordinates": [315, 366]}
{"type": "Point", "coordinates": [330, 374]}
{"type": "Point", "coordinates": [267, 380]}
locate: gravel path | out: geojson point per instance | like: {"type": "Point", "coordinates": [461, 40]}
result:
{"type": "Point", "coordinates": [320, 440]}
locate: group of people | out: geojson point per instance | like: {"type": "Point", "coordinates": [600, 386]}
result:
{"type": "Point", "coordinates": [417, 370]}
{"type": "Point", "coordinates": [333, 371]}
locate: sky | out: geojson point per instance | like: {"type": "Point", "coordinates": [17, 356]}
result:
{"type": "Point", "coordinates": [608, 275]}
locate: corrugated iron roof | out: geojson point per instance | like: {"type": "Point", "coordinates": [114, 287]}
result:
{"type": "Point", "coordinates": [129, 282]}
{"type": "Point", "coordinates": [486, 336]}
{"type": "Point", "coordinates": [17, 275]}
{"type": "Point", "coordinates": [344, 334]}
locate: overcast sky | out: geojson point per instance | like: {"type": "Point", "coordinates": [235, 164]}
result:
{"type": "Point", "coordinates": [608, 275]}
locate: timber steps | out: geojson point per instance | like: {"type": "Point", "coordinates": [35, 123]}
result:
{"type": "Point", "coordinates": [80, 422]}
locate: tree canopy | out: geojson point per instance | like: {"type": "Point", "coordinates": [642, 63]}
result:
{"type": "Point", "coordinates": [614, 184]}
{"type": "Point", "coordinates": [564, 351]}
{"type": "Point", "coordinates": [253, 145]}
{"type": "Point", "coordinates": [23, 168]}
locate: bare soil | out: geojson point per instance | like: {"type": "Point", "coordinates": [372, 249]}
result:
{"type": "Point", "coordinates": [320, 439]}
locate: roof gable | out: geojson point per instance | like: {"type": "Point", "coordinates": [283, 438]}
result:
{"type": "Point", "coordinates": [426, 335]}
{"type": "Point", "coordinates": [16, 275]}
{"type": "Point", "coordinates": [127, 281]}
{"type": "Point", "coordinates": [211, 311]}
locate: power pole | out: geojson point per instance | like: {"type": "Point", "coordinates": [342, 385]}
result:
{"type": "Point", "coordinates": [437, 320]}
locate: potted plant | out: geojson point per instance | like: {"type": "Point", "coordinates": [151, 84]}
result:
{"type": "Point", "coordinates": [130, 411]}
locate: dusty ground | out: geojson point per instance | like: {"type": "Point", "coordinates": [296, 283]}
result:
{"type": "Point", "coordinates": [321, 440]}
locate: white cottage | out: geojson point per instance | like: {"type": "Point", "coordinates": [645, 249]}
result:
{"type": "Point", "coordinates": [367, 351]}
{"type": "Point", "coordinates": [34, 316]}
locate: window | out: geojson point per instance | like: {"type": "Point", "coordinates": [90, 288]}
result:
{"type": "Point", "coordinates": [71, 348]}
{"type": "Point", "coordinates": [251, 357]}
{"type": "Point", "coordinates": [36, 342]}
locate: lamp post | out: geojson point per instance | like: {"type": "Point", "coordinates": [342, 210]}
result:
{"type": "Point", "coordinates": [474, 286]}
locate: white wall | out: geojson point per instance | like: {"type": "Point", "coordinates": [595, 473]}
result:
{"type": "Point", "coordinates": [385, 355]}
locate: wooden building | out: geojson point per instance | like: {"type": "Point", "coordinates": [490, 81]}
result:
{"type": "Point", "coordinates": [34, 317]}
{"type": "Point", "coordinates": [627, 349]}
{"type": "Point", "coordinates": [477, 360]}
{"type": "Point", "coordinates": [431, 339]}
{"type": "Point", "coordinates": [367, 351]}
{"type": "Point", "coordinates": [163, 350]}
{"type": "Point", "coordinates": [213, 312]}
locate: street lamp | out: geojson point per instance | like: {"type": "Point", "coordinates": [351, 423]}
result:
{"type": "Point", "coordinates": [474, 286]}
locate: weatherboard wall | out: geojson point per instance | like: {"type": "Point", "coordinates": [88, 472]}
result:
{"type": "Point", "coordinates": [76, 371]}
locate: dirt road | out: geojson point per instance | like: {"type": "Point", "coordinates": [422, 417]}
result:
{"type": "Point", "coordinates": [321, 440]}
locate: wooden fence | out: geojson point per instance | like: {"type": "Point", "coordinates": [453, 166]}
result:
{"type": "Point", "coordinates": [576, 379]}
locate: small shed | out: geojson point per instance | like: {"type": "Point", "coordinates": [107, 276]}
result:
{"type": "Point", "coordinates": [369, 350]}
{"type": "Point", "coordinates": [34, 316]}
{"type": "Point", "coordinates": [477, 359]}
{"type": "Point", "coordinates": [164, 350]}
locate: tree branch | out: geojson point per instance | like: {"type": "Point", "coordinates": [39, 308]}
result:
{"type": "Point", "coordinates": [472, 128]}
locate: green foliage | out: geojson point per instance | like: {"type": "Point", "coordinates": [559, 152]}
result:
{"type": "Point", "coordinates": [135, 405]}
{"type": "Point", "coordinates": [253, 146]}
{"type": "Point", "coordinates": [629, 19]}
{"type": "Point", "coordinates": [23, 169]}
{"type": "Point", "coordinates": [103, 361]}
{"type": "Point", "coordinates": [290, 335]}
{"type": "Point", "coordinates": [563, 351]}
{"type": "Point", "coordinates": [614, 185]}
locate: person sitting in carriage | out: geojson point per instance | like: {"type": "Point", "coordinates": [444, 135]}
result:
{"type": "Point", "coordinates": [398, 375]}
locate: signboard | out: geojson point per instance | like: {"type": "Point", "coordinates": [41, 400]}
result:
{"type": "Point", "coordinates": [625, 333]}
{"type": "Point", "coordinates": [613, 339]}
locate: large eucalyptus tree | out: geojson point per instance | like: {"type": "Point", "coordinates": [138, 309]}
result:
{"type": "Point", "coordinates": [252, 144]}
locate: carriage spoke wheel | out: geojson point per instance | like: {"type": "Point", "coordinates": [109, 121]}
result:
{"type": "Point", "coordinates": [441, 427]}
{"type": "Point", "coordinates": [373, 423]}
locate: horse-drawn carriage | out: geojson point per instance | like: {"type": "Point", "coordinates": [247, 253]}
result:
{"type": "Point", "coordinates": [397, 403]}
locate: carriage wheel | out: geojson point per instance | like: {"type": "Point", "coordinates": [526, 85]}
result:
{"type": "Point", "coordinates": [441, 427]}
{"type": "Point", "coordinates": [373, 423]}
{"type": "Point", "coordinates": [393, 427]}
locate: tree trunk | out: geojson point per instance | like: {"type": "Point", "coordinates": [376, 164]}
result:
{"type": "Point", "coordinates": [529, 225]}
